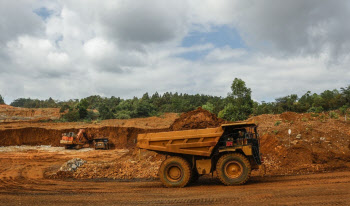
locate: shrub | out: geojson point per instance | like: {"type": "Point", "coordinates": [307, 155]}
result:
{"type": "Point", "coordinates": [343, 110]}
{"type": "Point", "coordinates": [209, 106]}
{"type": "Point", "coordinates": [333, 115]}
{"type": "Point", "coordinates": [304, 119]}
{"type": "Point", "coordinates": [277, 123]}
{"type": "Point", "coordinates": [123, 115]}
{"type": "Point", "coordinates": [91, 115]}
{"type": "Point", "coordinates": [315, 109]}
{"type": "Point", "coordinates": [71, 116]}
{"type": "Point", "coordinates": [323, 118]}
{"type": "Point", "coordinates": [64, 108]}
{"type": "Point", "coordinates": [314, 115]}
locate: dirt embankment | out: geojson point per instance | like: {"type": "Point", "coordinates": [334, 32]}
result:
{"type": "Point", "coordinates": [121, 133]}
{"type": "Point", "coordinates": [317, 143]}
{"type": "Point", "coordinates": [119, 137]}
{"type": "Point", "coordinates": [16, 114]}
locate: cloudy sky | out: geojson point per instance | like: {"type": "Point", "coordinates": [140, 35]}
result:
{"type": "Point", "coordinates": [73, 49]}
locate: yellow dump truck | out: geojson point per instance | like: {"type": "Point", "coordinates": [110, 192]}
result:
{"type": "Point", "coordinates": [232, 150]}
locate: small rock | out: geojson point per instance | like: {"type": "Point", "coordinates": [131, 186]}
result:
{"type": "Point", "coordinates": [294, 142]}
{"type": "Point", "coordinates": [72, 165]}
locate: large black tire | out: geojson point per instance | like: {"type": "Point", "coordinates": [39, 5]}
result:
{"type": "Point", "coordinates": [175, 172]}
{"type": "Point", "coordinates": [233, 169]}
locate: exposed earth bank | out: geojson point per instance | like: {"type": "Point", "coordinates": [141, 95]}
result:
{"type": "Point", "coordinates": [317, 143]}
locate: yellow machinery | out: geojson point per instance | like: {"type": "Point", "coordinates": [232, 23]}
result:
{"type": "Point", "coordinates": [232, 150]}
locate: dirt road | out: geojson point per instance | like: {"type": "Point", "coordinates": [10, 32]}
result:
{"type": "Point", "coordinates": [22, 182]}
{"type": "Point", "coordinates": [316, 189]}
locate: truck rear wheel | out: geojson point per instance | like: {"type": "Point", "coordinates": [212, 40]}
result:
{"type": "Point", "coordinates": [233, 169]}
{"type": "Point", "coordinates": [175, 172]}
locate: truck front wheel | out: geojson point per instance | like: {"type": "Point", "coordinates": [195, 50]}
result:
{"type": "Point", "coordinates": [233, 169]}
{"type": "Point", "coordinates": [175, 172]}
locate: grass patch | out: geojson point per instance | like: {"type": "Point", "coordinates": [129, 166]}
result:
{"type": "Point", "coordinates": [304, 119]}
{"type": "Point", "coordinates": [314, 115]}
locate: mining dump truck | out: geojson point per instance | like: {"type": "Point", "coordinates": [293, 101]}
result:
{"type": "Point", "coordinates": [232, 150]}
{"type": "Point", "coordinates": [101, 143]}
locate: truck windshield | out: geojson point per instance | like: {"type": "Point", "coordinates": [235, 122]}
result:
{"type": "Point", "coordinates": [252, 131]}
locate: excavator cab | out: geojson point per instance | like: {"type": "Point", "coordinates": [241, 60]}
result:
{"type": "Point", "coordinates": [71, 140]}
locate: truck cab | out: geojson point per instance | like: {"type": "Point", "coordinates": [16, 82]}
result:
{"type": "Point", "coordinates": [242, 138]}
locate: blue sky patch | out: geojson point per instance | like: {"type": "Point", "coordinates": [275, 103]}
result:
{"type": "Point", "coordinates": [194, 55]}
{"type": "Point", "coordinates": [218, 36]}
{"type": "Point", "coordinates": [43, 12]}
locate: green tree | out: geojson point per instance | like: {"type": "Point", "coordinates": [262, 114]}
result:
{"type": "Point", "coordinates": [82, 108]}
{"type": "Point", "coordinates": [2, 100]}
{"type": "Point", "coordinates": [105, 112]}
{"type": "Point", "coordinates": [71, 116]}
{"type": "Point", "coordinates": [239, 102]}
{"type": "Point", "coordinates": [345, 92]}
{"type": "Point", "coordinates": [208, 106]}
{"type": "Point", "coordinates": [123, 115]}
{"type": "Point", "coordinates": [144, 109]}
{"type": "Point", "coordinates": [287, 103]}
{"type": "Point", "coordinates": [145, 97]}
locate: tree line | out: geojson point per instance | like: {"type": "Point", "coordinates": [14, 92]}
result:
{"type": "Point", "coordinates": [237, 105]}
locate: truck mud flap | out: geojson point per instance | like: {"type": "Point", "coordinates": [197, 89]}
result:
{"type": "Point", "coordinates": [256, 155]}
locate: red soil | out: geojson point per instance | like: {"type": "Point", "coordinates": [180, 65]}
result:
{"type": "Point", "coordinates": [196, 119]}
{"type": "Point", "coordinates": [317, 142]}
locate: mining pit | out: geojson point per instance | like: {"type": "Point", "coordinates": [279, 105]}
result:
{"type": "Point", "coordinates": [316, 155]}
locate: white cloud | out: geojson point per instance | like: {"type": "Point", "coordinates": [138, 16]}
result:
{"type": "Point", "coordinates": [98, 48]}
{"type": "Point", "coordinates": [126, 48]}
{"type": "Point", "coordinates": [226, 53]}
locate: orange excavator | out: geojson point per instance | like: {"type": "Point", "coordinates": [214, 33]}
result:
{"type": "Point", "coordinates": [71, 140]}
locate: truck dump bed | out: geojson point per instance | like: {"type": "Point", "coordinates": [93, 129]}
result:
{"type": "Point", "coordinates": [193, 142]}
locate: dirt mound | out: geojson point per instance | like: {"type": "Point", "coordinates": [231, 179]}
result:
{"type": "Point", "coordinates": [196, 119]}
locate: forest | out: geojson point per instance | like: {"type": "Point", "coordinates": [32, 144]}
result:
{"type": "Point", "coordinates": [237, 105]}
